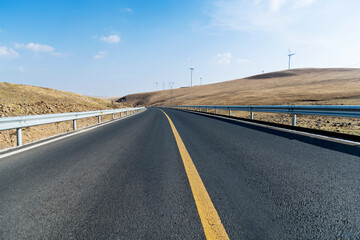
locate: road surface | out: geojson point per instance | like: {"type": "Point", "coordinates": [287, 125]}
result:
{"type": "Point", "coordinates": [126, 180]}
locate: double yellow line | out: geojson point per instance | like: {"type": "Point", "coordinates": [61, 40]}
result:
{"type": "Point", "coordinates": [209, 217]}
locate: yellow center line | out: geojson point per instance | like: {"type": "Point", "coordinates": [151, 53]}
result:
{"type": "Point", "coordinates": [209, 217]}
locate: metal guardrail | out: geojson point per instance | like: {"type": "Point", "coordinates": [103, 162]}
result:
{"type": "Point", "coordinates": [325, 110]}
{"type": "Point", "coordinates": [18, 123]}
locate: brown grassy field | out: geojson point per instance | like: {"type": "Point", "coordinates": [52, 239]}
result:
{"type": "Point", "coordinates": [338, 86]}
{"type": "Point", "coordinates": [299, 86]}
{"type": "Point", "coordinates": [20, 100]}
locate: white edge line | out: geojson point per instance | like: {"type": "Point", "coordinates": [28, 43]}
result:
{"type": "Point", "coordinates": [280, 128]}
{"type": "Point", "coordinates": [35, 145]}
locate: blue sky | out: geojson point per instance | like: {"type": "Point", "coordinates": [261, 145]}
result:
{"type": "Point", "coordinates": [114, 48]}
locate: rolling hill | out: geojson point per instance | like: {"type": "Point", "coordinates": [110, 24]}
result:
{"type": "Point", "coordinates": [18, 100]}
{"type": "Point", "coordinates": [298, 86]}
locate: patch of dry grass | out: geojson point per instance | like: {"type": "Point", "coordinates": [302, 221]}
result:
{"type": "Point", "coordinates": [326, 123]}
{"type": "Point", "coordinates": [30, 134]}
{"type": "Point", "coordinates": [299, 86]}
{"type": "Point", "coordinates": [20, 100]}
{"type": "Point", "coordinates": [333, 86]}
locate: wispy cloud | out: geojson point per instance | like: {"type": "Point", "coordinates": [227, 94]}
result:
{"type": "Point", "coordinates": [100, 55]}
{"type": "Point", "coordinates": [40, 48]}
{"type": "Point", "coordinates": [114, 38]}
{"type": "Point", "coordinates": [276, 4]}
{"type": "Point", "coordinates": [128, 10]}
{"type": "Point", "coordinates": [270, 15]}
{"type": "Point", "coordinates": [58, 54]}
{"type": "Point", "coordinates": [35, 47]}
{"type": "Point", "coordinates": [224, 58]}
{"type": "Point", "coordinates": [6, 52]}
{"type": "Point", "coordinates": [21, 69]}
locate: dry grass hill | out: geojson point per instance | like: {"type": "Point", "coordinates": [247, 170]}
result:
{"type": "Point", "coordinates": [299, 86]}
{"type": "Point", "coordinates": [292, 87]}
{"type": "Point", "coordinates": [20, 100]}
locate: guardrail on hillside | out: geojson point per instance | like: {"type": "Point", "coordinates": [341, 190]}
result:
{"type": "Point", "coordinates": [326, 110]}
{"type": "Point", "coordinates": [18, 123]}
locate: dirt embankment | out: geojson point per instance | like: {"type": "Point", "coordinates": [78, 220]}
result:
{"type": "Point", "coordinates": [21, 100]}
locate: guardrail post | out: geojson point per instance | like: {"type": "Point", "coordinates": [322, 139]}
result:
{"type": "Point", "coordinates": [251, 115]}
{"type": "Point", "coordinates": [120, 114]}
{"type": "Point", "coordinates": [216, 111]}
{"type": "Point", "coordinates": [229, 113]}
{"type": "Point", "coordinates": [113, 116]}
{"type": "Point", "coordinates": [293, 122]}
{"type": "Point", "coordinates": [207, 110]}
{"type": "Point", "coordinates": [19, 137]}
{"type": "Point", "coordinates": [99, 119]}
{"type": "Point", "coordinates": [74, 124]}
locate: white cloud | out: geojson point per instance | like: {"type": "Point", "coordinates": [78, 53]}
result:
{"type": "Point", "coordinates": [268, 15]}
{"type": "Point", "coordinates": [6, 52]}
{"type": "Point", "coordinates": [40, 48]}
{"type": "Point", "coordinates": [128, 10]}
{"type": "Point", "coordinates": [35, 47]}
{"type": "Point", "coordinates": [276, 4]}
{"type": "Point", "coordinates": [100, 55]}
{"type": "Point", "coordinates": [58, 54]}
{"type": "Point", "coordinates": [114, 38]}
{"type": "Point", "coordinates": [304, 3]}
{"type": "Point", "coordinates": [224, 58]}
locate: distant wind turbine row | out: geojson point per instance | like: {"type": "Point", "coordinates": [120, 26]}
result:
{"type": "Point", "coordinates": [191, 75]}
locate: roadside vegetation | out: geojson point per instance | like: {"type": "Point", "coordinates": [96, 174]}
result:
{"type": "Point", "coordinates": [21, 100]}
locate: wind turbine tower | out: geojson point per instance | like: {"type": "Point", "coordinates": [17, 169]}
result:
{"type": "Point", "coordinates": [171, 84]}
{"type": "Point", "coordinates": [191, 70]}
{"type": "Point", "coordinates": [290, 54]}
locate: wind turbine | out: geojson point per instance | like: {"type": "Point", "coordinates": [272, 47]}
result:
{"type": "Point", "coordinates": [191, 70]}
{"type": "Point", "coordinates": [171, 84]}
{"type": "Point", "coordinates": [290, 54]}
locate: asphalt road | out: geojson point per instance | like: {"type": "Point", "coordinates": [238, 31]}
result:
{"type": "Point", "coordinates": [126, 180]}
